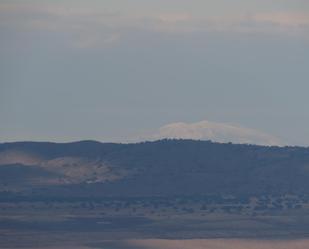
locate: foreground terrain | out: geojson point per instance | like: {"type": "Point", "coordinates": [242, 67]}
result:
{"type": "Point", "coordinates": [186, 244]}
{"type": "Point", "coordinates": [97, 223]}
{"type": "Point", "coordinates": [164, 194]}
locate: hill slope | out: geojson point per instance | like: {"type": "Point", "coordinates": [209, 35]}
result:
{"type": "Point", "coordinates": [161, 168]}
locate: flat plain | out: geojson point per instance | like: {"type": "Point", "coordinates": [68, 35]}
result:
{"type": "Point", "coordinates": [119, 224]}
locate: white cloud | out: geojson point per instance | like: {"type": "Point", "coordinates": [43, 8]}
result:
{"type": "Point", "coordinates": [217, 132]}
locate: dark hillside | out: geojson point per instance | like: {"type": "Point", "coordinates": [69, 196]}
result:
{"type": "Point", "coordinates": [163, 168]}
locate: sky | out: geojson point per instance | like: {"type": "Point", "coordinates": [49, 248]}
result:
{"type": "Point", "coordinates": [110, 69]}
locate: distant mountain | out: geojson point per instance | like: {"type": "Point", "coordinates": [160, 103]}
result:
{"type": "Point", "coordinates": [160, 168]}
{"type": "Point", "coordinates": [214, 131]}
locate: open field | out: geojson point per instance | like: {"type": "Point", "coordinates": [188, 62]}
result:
{"type": "Point", "coordinates": [111, 224]}
{"type": "Point", "coordinates": [185, 244]}
{"type": "Point", "coordinates": [211, 244]}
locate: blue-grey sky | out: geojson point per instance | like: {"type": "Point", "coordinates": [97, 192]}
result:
{"type": "Point", "coordinates": [109, 69]}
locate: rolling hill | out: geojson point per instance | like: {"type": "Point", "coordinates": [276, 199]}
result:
{"type": "Point", "coordinates": [160, 168]}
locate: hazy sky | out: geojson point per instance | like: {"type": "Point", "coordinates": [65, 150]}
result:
{"type": "Point", "coordinates": [107, 69]}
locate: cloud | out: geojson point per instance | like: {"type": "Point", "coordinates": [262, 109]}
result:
{"type": "Point", "coordinates": [84, 27]}
{"type": "Point", "coordinates": [291, 19]}
{"type": "Point", "coordinates": [174, 17]}
{"type": "Point", "coordinates": [92, 27]}
{"type": "Point", "coordinates": [217, 132]}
